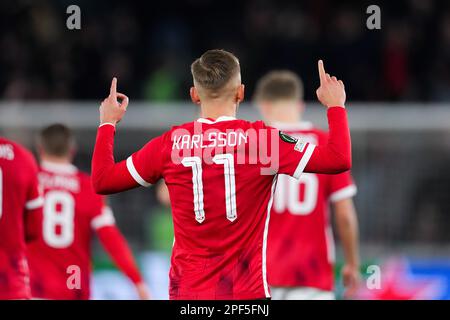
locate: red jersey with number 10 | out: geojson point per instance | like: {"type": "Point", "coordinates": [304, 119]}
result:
{"type": "Point", "coordinates": [301, 247]}
{"type": "Point", "coordinates": [219, 180]}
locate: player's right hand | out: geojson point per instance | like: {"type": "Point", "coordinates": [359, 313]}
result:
{"type": "Point", "coordinates": [351, 279]}
{"type": "Point", "coordinates": [111, 110]}
{"type": "Point", "coordinates": [331, 92]}
{"type": "Point", "coordinates": [143, 291]}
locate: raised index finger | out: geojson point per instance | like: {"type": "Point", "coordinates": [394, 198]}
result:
{"type": "Point", "coordinates": [113, 90]}
{"type": "Point", "coordinates": [322, 73]}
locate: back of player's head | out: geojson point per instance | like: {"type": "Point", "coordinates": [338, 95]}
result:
{"type": "Point", "coordinates": [56, 140]}
{"type": "Point", "coordinates": [214, 71]}
{"type": "Point", "coordinates": [279, 85]}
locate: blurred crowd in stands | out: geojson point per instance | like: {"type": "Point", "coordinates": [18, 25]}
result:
{"type": "Point", "coordinates": [149, 46]}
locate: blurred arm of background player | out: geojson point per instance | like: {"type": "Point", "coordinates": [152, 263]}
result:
{"type": "Point", "coordinates": [33, 214]}
{"type": "Point", "coordinates": [115, 244]}
{"type": "Point", "coordinates": [347, 228]}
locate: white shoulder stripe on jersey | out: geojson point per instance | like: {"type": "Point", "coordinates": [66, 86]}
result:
{"type": "Point", "coordinates": [265, 234]}
{"type": "Point", "coordinates": [103, 220]}
{"type": "Point", "coordinates": [136, 176]}
{"type": "Point", "coordinates": [304, 161]}
{"type": "Point", "coordinates": [344, 193]}
{"type": "Point", "coordinates": [35, 203]}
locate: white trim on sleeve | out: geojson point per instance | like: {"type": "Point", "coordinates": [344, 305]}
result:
{"type": "Point", "coordinates": [35, 203]}
{"type": "Point", "coordinates": [106, 124]}
{"type": "Point", "coordinates": [105, 219]}
{"type": "Point", "coordinates": [265, 235]}
{"type": "Point", "coordinates": [136, 176]}
{"type": "Point", "coordinates": [344, 193]}
{"type": "Point", "coordinates": [304, 160]}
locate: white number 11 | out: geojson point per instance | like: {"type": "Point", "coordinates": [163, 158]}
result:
{"type": "Point", "coordinates": [197, 182]}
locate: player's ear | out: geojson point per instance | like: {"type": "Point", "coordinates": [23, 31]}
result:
{"type": "Point", "coordinates": [194, 95]}
{"type": "Point", "coordinates": [240, 93]}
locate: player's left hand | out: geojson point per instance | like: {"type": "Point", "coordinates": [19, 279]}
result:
{"type": "Point", "coordinates": [111, 110]}
{"type": "Point", "coordinates": [143, 291]}
{"type": "Point", "coordinates": [350, 278]}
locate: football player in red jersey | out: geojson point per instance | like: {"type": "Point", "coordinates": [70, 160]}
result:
{"type": "Point", "coordinates": [300, 221]}
{"type": "Point", "coordinates": [220, 172]}
{"type": "Point", "coordinates": [60, 261]}
{"type": "Point", "coordinates": [20, 217]}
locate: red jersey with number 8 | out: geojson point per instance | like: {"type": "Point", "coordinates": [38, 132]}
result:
{"type": "Point", "coordinates": [301, 247]}
{"type": "Point", "coordinates": [60, 262]}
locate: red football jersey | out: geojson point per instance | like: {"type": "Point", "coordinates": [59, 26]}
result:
{"type": "Point", "coordinates": [60, 262]}
{"type": "Point", "coordinates": [301, 245]}
{"type": "Point", "coordinates": [19, 193]}
{"type": "Point", "coordinates": [219, 176]}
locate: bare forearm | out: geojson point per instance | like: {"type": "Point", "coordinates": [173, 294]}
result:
{"type": "Point", "coordinates": [347, 226]}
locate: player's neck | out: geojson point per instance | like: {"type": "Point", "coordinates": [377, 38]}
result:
{"type": "Point", "coordinates": [283, 112]}
{"type": "Point", "coordinates": [216, 109]}
{"type": "Point", "coordinates": [285, 118]}
{"type": "Point", "coordinates": [54, 159]}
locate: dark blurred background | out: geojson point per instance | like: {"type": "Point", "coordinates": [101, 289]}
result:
{"type": "Point", "coordinates": [397, 82]}
{"type": "Point", "coordinates": [149, 45]}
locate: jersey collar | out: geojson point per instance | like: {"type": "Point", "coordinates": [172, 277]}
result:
{"type": "Point", "coordinates": [219, 119]}
{"type": "Point", "coordinates": [303, 125]}
{"type": "Point", "coordinates": [61, 168]}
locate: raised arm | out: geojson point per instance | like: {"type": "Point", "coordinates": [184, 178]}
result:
{"type": "Point", "coordinates": [336, 155]}
{"type": "Point", "coordinates": [107, 175]}
{"type": "Point", "coordinates": [298, 155]}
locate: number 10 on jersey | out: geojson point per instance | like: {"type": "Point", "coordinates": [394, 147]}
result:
{"type": "Point", "coordinates": [195, 163]}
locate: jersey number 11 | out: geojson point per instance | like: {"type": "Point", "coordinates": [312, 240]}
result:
{"type": "Point", "coordinates": [227, 161]}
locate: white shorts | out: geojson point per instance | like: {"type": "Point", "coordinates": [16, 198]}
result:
{"type": "Point", "coordinates": [301, 293]}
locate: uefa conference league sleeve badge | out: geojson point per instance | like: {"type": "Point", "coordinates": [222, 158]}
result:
{"type": "Point", "coordinates": [299, 144]}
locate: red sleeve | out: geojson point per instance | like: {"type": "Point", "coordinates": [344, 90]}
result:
{"type": "Point", "coordinates": [107, 176]}
{"type": "Point", "coordinates": [102, 216]}
{"type": "Point", "coordinates": [341, 187]}
{"type": "Point", "coordinates": [145, 165]}
{"type": "Point", "coordinates": [336, 155]}
{"type": "Point", "coordinates": [297, 156]}
{"type": "Point", "coordinates": [143, 168]}
{"type": "Point", "coordinates": [116, 245]}
{"type": "Point", "coordinates": [35, 201]}
{"type": "Point", "coordinates": [294, 154]}
{"type": "Point", "coordinates": [33, 225]}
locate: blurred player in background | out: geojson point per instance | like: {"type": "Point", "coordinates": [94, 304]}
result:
{"type": "Point", "coordinates": [20, 217]}
{"type": "Point", "coordinates": [300, 247]}
{"type": "Point", "coordinates": [219, 201]}
{"type": "Point", "coordinates": [72, 212]}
